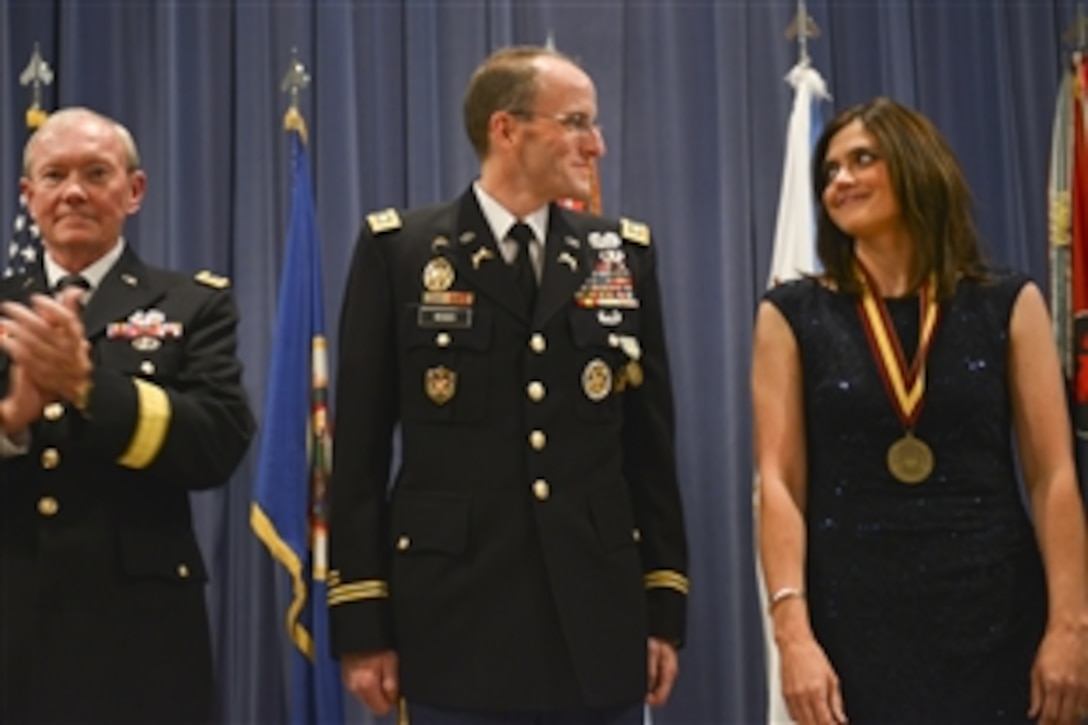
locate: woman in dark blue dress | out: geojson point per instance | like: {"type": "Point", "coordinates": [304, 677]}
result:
{"type": "Point", "coordinates": [906, 580]}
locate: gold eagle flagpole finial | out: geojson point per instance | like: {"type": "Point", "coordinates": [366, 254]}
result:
{"type": "Point", "coordinates": [294, 81]}
{"type": "Point", "coordinates": [37, 74]}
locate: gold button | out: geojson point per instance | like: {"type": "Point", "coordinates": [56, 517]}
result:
{"type": "Point", "coordinates": [536, 391]}
{"type": "Point", "coordinates": [403, 543]}
{"type": "Point", "coordinates": [50, 458]}
{"type": "Point", "coordinates": [183, 571]}
{"type": "Point", "coordinates": [538, 440]}
{"type": "Point", "coordinates": [48, 506]}
{"type": "Point", "coordinates": [537, 343]}
{"type": "Point", "coordinates": [53, 411]}
{"type": "Point", "coordinates": [541, 489]}
{"type": "Point", "coordinates": [442, 339]}
{"type": "Point", "coordinates": [636, 535]}
{"type": "Point", "coordinates": [147, 367]}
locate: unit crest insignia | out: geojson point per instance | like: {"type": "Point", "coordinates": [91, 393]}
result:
{"type": "Point", "coordinates": [440, 384]}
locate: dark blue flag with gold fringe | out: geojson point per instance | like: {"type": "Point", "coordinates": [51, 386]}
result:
{"type": "Point", "coordinates": [289, 507]}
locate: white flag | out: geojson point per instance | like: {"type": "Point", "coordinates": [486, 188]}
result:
{"type": "Point", "coordinates": [794, 254]}
{"type": "Point", "coordinates": [795, 233]}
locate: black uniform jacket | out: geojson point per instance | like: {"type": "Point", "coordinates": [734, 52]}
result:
{"type": "Point", "coordinates": [533, 536]}
{"type": "Point", "coordinates": [101, 585]}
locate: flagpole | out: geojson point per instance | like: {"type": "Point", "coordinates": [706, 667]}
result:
{"type": "Point", "coordinates": [289, 510]}
{"type": "Point", "coordinates": [793, 254]}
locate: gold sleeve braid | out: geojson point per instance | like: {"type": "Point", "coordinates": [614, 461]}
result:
{"type": "Point", "coordinates": [666, 579]}
{"type": "Point", "coordinates": [358, 591]}
{"type": "Point", "coordinates": [152, 423]}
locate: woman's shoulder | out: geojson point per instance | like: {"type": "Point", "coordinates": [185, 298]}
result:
{"type": "Point", "coordinates": [993, 294]}
{"type": "Point", "coordinates": [796, 291]}
{"type": "Point", "coordinates": [999, 284]}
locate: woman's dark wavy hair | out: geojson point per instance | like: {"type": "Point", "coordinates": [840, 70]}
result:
{"type": "Point", "coordinates": [933, 195]}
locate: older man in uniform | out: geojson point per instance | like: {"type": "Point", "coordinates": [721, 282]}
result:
{"type": "Point", "coordinates": [118, 397]}
{"type": "Point", "coordinates": [529, 562]}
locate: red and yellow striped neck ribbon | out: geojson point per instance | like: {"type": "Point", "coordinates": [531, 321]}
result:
{"type": "Point", "coordinates": [905, 383]}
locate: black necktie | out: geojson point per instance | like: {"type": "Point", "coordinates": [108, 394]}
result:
{"type": "Point", "coordinates": [72, 280]}
{"type": "Point", "coordinates": [524, 274]}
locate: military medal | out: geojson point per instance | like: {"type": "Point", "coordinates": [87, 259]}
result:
{"type": "Point", "coordinates": [909, 459]}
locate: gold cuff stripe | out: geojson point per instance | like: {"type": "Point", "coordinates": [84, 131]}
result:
{"type": "Point", "coordinates": [358, 591]}
{"type": "Point", "coordinates": [152, 422]}
{"type": "Point", "coordinates": [666, 580]}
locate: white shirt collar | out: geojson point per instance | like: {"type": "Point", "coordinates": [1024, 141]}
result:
{"type": "Point", "coordinates": [500, 220]}
{"type": "Point", "coordinates": [93, 274]}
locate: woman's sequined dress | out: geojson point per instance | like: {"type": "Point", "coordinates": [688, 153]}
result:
{"type": "Point", "coordinates": [930, 598]}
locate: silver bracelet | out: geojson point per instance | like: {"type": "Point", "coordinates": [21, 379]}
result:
{"type": "Point", "coordinates": [783, 594]}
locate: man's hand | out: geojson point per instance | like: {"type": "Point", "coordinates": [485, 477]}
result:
{"type": "Point", "coordinates": [662, 667]}
{"type": "Point", "coordinates": [47, 341]}
{"type": "Point", "coordinates": [23, 403]}
{"type": "Point", "coordinates": [372, 678]}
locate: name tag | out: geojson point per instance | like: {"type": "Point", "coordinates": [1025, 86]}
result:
{"type": "Point", "coordinates": [456, 318]}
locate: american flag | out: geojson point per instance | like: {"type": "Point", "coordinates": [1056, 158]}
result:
{"type": "Point", "coordinates": [25, 245]}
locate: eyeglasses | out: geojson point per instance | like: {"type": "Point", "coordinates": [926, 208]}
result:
{"type": "Point", "coordinates": [576, 122]}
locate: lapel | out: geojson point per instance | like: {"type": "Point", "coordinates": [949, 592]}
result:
{"type": "Point", "coordinates": [567, 263]}
{"type": "Point", "coordinates": [125, 288]}
{"type": "Point", "coordinates": [476, 255]}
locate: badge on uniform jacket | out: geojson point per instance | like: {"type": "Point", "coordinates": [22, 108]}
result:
{"type": "Point", "coordinates": [440, 384]}
{"type": "Point", "coordinates": [146, 329]}
{"type": "Point", "coordinates": [438, 275]}
{"type": "Point", "coordinates": [597, 380]}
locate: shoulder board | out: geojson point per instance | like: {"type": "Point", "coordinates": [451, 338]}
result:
{"type": "Point", "coordinates": [385, 220]}
{"type": "Point", "coordinates": [636, 232]}
{"type": "Point", "coordinates": [210, 279]}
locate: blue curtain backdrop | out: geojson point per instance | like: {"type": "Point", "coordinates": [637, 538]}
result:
{"type": "Point", "coordinates": [694, 109]}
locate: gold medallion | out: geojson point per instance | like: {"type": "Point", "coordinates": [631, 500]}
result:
{"type": "Point", "coordinates": [438, 275]}
{"type": "Point", "coordinates": [597, 380]}
{"type": "Point", "coordinates": [910, 459]}
{"type": "Point", "coordinates": [440, 383]}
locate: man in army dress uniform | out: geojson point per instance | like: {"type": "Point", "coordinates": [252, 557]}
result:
{"type": "Point", "coordinates": [118, 397]}
{"type": "Point", "coordinates": [528, 562]}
